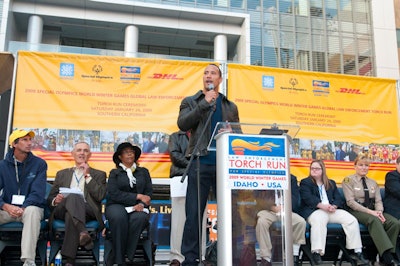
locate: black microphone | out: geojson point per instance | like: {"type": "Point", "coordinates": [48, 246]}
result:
{"type": "Point", "coordinates": [210, 88]}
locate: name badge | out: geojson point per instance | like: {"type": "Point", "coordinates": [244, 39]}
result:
{"type": "Point", "coordinates": [18, 199]}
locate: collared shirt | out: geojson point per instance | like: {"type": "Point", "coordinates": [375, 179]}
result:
{"type": "Point", "coordinates": [353, 190]}
{"type": "Point", "coordinates": [78, 179]}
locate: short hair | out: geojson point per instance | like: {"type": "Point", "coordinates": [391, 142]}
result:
{"type": "Point", "coordinates": [219, 70]}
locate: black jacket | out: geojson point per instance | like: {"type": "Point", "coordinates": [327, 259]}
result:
{"type": "Point", "coordinates": [177, 145]}
{"type": "Point", "coordinates": [193, 115]}
{"type": "Point", "coordinates": [119, 190]}
{"type": "Point", "coordinates": [391, 201]}
{"type": "Point", "coordinates": [309, 194]}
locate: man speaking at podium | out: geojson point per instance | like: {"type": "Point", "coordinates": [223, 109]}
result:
{"type": "Point", "coordinates": [194, 116]}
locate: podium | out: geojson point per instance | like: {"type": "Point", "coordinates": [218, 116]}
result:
{"type": "Point", "coordinates": [253, 165]}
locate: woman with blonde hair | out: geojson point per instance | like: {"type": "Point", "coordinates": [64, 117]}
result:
{"type": "Point", "coordinates": [321, 203]}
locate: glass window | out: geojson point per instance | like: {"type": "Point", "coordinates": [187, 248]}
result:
{"type": "Point", "coordinates": [302, 24]}
{"type": "Point", "coordinates": [255, 33]}
{"type": "Point", "coordinates": [255, 17]}
{"type": "Point", "coordinates": [318, 42]}
{"type": "Point", "coordinates": [318, 63]}
{"type": "Point", "coordinates": [271, 38]}
{"type": "Point", "coordinates": [303, 41]}
{"type": "Point", "coordinates": [316, 9]}
{"type": "Point", "coordinates": [302, 7]}
{"type": "Point", "coordinates": [286, 39]}
{"type": "Point", "coordinates": [253, 5]}
{"type": "Point", "coordinates": [285, 6]}
{"type": "Point", "coordinates": [317, 23]}
{"type": "Point", "coordinates": [331, 9]}
{"type": "Point", "coordinates": [287, 58]}
{"type": "Point", "coordinates": [362, 28]}
{"type": "Point", "coordinates": [237, 4]}
{"type": "Point", "coordinates": [303, 60]}
{"type": "Point", "coordinates": [286, 20]}
{"type": "Point", "coordinates": [345, 11]}
{"type": "Point", "coordinates": [269, 5]}
{"type": "Point", "coordinates": [334, 56]}
{"type": "Point", "coordinates": [347, 27]}
{"type": "Point", "coordinates": [256, 56]}
{"type": "Point", "coordinates": [270, 57]}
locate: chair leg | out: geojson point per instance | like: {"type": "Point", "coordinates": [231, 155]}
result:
{"type": "Point", "coordinates": [147, 247]}
{"type": "Point", "coordinates": [42, 248]}
{"type": "Point", "coordinates": [55, 246]}
{"type": "Point", "coordinates": [96, 251]}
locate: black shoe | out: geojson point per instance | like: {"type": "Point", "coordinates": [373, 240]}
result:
{"type": "Point", "coordinates": [394, 263]}
{"type": "Point", "coordinates": [359, 258]}
{"type": "Point", "coordinates": [296, 261]}
{"type": "Point", "coordinates": [317, 258]}
{"type": "Point", "coordinates": [264, 262]}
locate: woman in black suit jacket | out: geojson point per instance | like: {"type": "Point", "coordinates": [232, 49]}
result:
{"type": "Point", "coordinates": [129, 192]}
{"type": "Point", "coordinates": [321, 204]}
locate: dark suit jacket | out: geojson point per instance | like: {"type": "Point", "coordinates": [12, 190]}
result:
{"type": "Point", "coordinates": [309, 194]}
{"type": "Point", "coordinates": [119, 191]}
{"type": "Point", "coordinates": [391, 201]}
{"type": "Point", "coordinates": [95, 190]}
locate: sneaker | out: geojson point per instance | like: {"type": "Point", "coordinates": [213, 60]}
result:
{"type": "Point", "coordinates": [264, 262]}
{"type": "Point", "coordinates": [359, 258]}
{"type": "Point", "coordinates": [317, 258]}
{"type": "Point", "coordinates": [29, 263]}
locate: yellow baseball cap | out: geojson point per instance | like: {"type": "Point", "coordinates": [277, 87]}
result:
{"type": "Point", "coordinates": [19, 133]}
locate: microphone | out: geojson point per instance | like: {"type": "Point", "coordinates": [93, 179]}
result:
{"type": "Point", "coordinates": [210, 88]}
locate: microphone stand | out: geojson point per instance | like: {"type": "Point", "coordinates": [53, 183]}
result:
{"type": "Point", "coordinates": [195, 151]}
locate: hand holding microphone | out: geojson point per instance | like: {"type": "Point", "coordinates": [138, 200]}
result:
{"type": "Point", "coordinates": [211, 94]}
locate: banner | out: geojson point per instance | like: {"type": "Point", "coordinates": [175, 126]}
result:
{"type": "Point", "coordinates": [339, 116]}
{"type": "Point", "coordinates": [103, 100]}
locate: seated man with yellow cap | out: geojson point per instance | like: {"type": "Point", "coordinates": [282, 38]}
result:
{"type": "Point", "coordinates": [23, 179]}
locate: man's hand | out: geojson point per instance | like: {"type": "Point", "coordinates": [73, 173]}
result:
{"type": "Point", "coordinates": [58, 199]}
{"type": "Point", "coordinates": [12, 210]}
{"type": "Point", "coordinates": [85, 168]}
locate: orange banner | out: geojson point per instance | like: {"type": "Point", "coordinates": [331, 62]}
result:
{"type": "Point", "coordinates": [104, 101]}
{"type": "Point", "coordinates": [339, 116]}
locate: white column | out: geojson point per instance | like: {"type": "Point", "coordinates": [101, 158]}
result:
{"type": "Point", "coordinates": [220, 48]}
{"type": "Point", "coordinates": [131, 40]}
{"type": "Point", "coordinates": [35, 29]}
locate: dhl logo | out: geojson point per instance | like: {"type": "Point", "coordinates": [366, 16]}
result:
{"type": "Point", "coordinates": [350, 91]}
{"type": "Point", "coordinates": [165, 76]}
{"type": "Point", "coordinates": [240, 145]}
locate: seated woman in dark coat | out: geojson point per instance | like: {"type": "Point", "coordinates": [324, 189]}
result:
{"type": "Point", "coordinates": [129, 192]}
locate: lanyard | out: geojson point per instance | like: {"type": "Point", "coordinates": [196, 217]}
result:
{"type": "Point", "coordinates": [78, 180]}
{"type": "Point", "coordinates": [321, 194]}
{"type": "Point", "coordinates": [17, 175]}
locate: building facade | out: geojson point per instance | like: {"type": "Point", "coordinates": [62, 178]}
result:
{"type": "Point", "coordinates": [356, 37]}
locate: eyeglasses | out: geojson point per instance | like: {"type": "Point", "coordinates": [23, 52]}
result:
{"type": "Point", "coordinates": [315, 168]}
{"type": "Point", "coordinates": [128, 152]}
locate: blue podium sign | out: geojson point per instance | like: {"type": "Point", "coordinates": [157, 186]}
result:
{"type": "Point", "coordinates": [253, 172]}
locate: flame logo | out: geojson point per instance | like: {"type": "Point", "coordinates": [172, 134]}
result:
{"type": "Point", "coordinates": [239, 145]}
